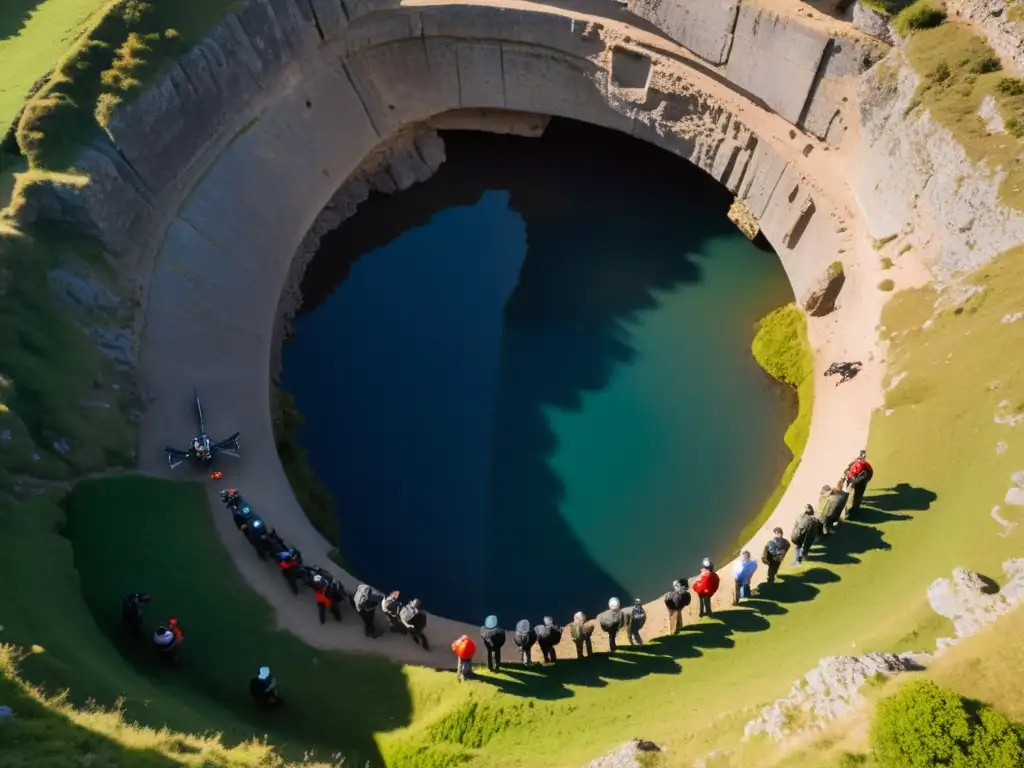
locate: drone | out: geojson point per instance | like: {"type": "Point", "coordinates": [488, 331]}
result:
{"type": "Point", "coordinates": [202, 451]}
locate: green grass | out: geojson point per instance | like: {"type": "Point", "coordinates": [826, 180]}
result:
{"type": "Point", "coordinates": [124, 50]}
{"type": "Point", "coordinates": [33, 36]}
{"type": "Point", "coordinates": [955, 66]}
{"type": "Point", "coordinates": [781, 347]}
{"type": "Point", "coordinates": [316, 501]}
{"type": "Point", "coordinates": [887, 7]}
{"type": "Point", "coordinates": [921, 14]}
{"type": "Point", "coordinates": [886, 285]}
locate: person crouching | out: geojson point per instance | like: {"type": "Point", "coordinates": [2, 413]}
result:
{"type": "Point", "coordinates": [465, 650]}
{"type": "Point", "coordinates": [549, 635]}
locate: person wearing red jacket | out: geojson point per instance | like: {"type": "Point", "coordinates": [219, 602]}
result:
{"type": "Point", "coordinates": [464, 649]}
{"type": "Point", "coordinates": [858, 475]}
{"type": "Point", "coordinates": [705, 586]}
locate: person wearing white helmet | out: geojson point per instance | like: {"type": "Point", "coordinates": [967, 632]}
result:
{"type": "Point", "coordinates": [676, 599]}
{"type": "Point", "coordinates": [611, 621]}
{"type": "Point", "coordinates": [263, 689]}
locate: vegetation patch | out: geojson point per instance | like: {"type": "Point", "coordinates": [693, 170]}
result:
{"type": "Point", "coordinates": [925, 725]}
{"type": "Point", "coordinates": [886, 7]}
{"type": "Point", "coordinates": [958, 71]}
{"type": "Point", "coordinates": [314, 498]}
{"type": "Point", "coordinates": [921, 14]}
{"type": "Point", "coordinates": [125, 50]}
{"type": "Point", "coordinates": [886, 285]}
{"type": "Point", "coordinates": [781, 347]}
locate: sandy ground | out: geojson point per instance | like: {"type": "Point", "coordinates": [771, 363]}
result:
{"type": "Point", "coordinates": [839, 428]}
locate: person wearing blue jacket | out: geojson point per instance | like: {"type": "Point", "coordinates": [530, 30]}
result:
{"type": "Point", "coordinates": [742, 573]}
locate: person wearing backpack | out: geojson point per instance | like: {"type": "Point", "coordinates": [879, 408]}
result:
{"type": "Point", "coordinates": [833, 504]}
{"type": "Point", "coordinates": [676, 599]}
{"type": "Point", "coordinates": [742, 573]}
{"type": "Point", "coordinates": [611, 622]}
{"type": "Point", "coordinates": [858, 475]}
{"type": "Point", "coordinates": [580, 631]}
{"type": "Point", "coordinates": [635, 622]}
{"type": "Point", "coordinates": [524, 638]}
{"type": "Point", "coordinates": [805, 531]}
{"type": "Point", "coordinates": [494, 638]}
{"type": "Point", "coordinates": [465, 650]}
{"type": "Point", "coordinates": [415, 621]}
{"type": "Point", "coordinates": [705, 586]}
{"type": "Point", "coordinates": [774, 554]}
{"type": "Point", "coordinates": [548, 636]}
{"type": "Point", "coordinates": [365, 601]}
{"type": "Point", "coordinates": [391, 607]}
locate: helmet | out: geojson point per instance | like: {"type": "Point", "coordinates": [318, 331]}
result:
{"type": "Point", "coordinates": [614, 604]}
{"type": "Point", "coordinates": [491, 622]}
{"type": "Point", "coordinates": [863, 455]}
{"type": "Point", "coordinates": [637, 601]}
{"type": "Point", "coordinates": [808, 509]}
{"type": "Point", "coordinates": [394, 595]}
{"type": "Point", "coordinates": [677, 584]}
{"type": "Point", "coordinates": [579, 616]}
{"type": "Point", "coordinates": [548, 621]}
{"type": "Point", "coordinates": [317, 578]}
{"type": "Point", "coordinates": [257, 523]}
{"type": "Point", "coordinates": [706, 563]}
{"type": "Point", "coordinates": [264, 673]}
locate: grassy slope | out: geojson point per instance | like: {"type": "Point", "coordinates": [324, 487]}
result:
{"type": "Point", "coordinates": [31, 42]}
{"type": "Point", "coordinates": [949, 59]}
{"type": "Point", "coordinates": [781, 347]}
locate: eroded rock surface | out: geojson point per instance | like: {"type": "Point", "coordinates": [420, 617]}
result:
{"type": "Point", "coordinates": [972, 602]}
{"type": "Point", "coordinates": [626, 756]}
{"type": "Point", "coordinates": [741, 216]}
{"type": "Point", "coordinates": [820, 300]}
{"type": "Point", "coordinates": [827, 692]}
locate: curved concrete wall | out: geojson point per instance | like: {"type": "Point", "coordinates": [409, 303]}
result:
{"type": "Point", "coordinates": [217, 173]}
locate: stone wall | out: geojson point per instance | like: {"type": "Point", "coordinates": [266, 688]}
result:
{"type": "Point", "coordinates": [914, 179]}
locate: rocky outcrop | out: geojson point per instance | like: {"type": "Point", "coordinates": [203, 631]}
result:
{"type": "Point", "coordinates": [744, 220]}
{"type": "Point", "coordinates": [972, 602]}
{"type": "Point", "coordinates": [947, 207]}
{"type": "Point", "coordinates": [820, 299]}
{"type": "Point", "coordinates": [872, 22]}
{"type": "Point", "coordinates": [626, 756]}
{"type": "Point", "coordinates": [829, 691]}
{"type": "Point", "coordinates": [995, 19]}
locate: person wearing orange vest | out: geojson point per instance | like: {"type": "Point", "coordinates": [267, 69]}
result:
{"type": "Point", "coordinates": [329, 595]}
{"type": "Point", "coordinates": [290, 563]}
{"type": "Point", "coordinates": [858, 475]}
{"type": "Point", "coordinates": [167, 638]}
{"type": "Point", "coordinates": [465, 650]}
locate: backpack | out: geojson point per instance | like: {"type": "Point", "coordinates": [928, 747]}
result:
{"type": "Point", "coordinates": [363, 596]}
{"type": "Point", "coordinates": [408, 614]}
{"type": "Point", "coordinates": [389, 605]}
{"type": "Point", "coordinates": [860, 465]}
{"type": "Point", "coordinates": [639, 616]}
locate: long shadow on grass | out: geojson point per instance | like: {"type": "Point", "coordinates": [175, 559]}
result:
{"type": "Point", "coordinates": [902, 497]}
{"type": "Point", "coordinates": [14, 14]}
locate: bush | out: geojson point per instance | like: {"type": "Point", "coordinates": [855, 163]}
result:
{"type": "Point", "coordinates": [925, 725]}
{"type": "Point", "coordinates": [920, 15]}
{"type": "Point", "coordinates": [985, 65]}
{"type": "Point", "coordinates": [1011, 86]}
{"type": "Point", "coordinates": [941, 72]}
{"type": "Point", "coordinates": [1015, 127]}
{"type": "Point", "coordinates": [886, 285]}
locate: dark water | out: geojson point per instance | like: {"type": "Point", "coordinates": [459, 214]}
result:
{"type": "Point", "coordinates": [532, 388]}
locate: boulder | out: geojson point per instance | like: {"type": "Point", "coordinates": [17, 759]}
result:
{"type": "Point", "coordinates": [871, 22]}
{"type": "Point", "coordinates": [741, 216]}
{"type": "Point", "coordinates": [820, 298]}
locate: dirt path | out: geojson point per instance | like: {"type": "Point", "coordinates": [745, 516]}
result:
{"type": "Point", "coordinates": [235, 399]}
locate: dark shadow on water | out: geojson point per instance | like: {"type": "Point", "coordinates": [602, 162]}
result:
{"type": "Point", "coordinates": [14, 14]}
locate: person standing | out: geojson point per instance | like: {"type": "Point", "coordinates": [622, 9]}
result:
{"type": "Point", "coordinates": [611, 621]}
{"type": "Point", "coordinates": [833, 504]}
{"type": "Point", "coordinates": [494, 638]}
{"type": "Point", "coordinates": [131, 609]}
{"type": "Point", "coordinates": [742, 573]}
{"type": "Point", "coordinates": [263, 689]}
{"type": "Point", "coordinates": [365, 601]}
{"type": "Point", "coordinates": [676, 599]}
{"type": "Point", "coordinates": [858, 475]}
{"type": "Point", "coordinates": [391, 607]}
{"type": "Point", "coordinates": [580, 631]}
{"type": "Point", "coordinates": [548, 636]}
{"type": "Point", "coordinates": [635, 622]}
{"type": "Point", "coordinates": [464, 649]}
{"type": "Point", "coordinates": [706, 586]}
{"type": "Point", "coordinates": [524, 638]}
{"type": "Point", "coordinates": [415, 621]}
{"type": "Point", "coordinates": [290, 562]}
{"type": "Point", "coordinates": [805, 531]}
{"type": "Point", "coordinates": [774, 554]}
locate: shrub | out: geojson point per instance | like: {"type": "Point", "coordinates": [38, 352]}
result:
{"type": "Point", "coordinates": [920, 15]}
{"type": "Point", "coordinates": [925, 725]}
{"type": "Point", "coordinates": [886, 285]}
{"type": "Point", "coordinates": [886, 262]}
{"type": "Point", "coordinates": [941, 72]}
{"type": "Point", "coordinates": [1014, 127]}
{"type": "Point", "coordinates": [985, 65]}
{"type": "Point", "coordinates": [1011, 86]}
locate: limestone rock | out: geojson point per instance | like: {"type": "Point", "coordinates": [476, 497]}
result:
{"type": "Point", "coordinates": [820, 299]}
{"type": "Point", "coordinates": [989, 112]}
{"type": "Point", "coordinates": [741, 216]}
{"type": "Point", "coordinates": [992, 19]}
{"type": "Point", "coordinates": [972, 602]}
{"type": "Point", "coordinates": [871, 22]}
{"type": "Point", "coordinates": [625, 756]}
{"type": "Point", "coordinates": [829, 691]}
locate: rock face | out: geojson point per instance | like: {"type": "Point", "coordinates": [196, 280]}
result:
{"type": "Point", "coordinates": [949, 205]}
{"type": "Point", "coordinates": [820, 300]}
{"type": "Point", "coordinates": [871, 22]}
{"type": "Point", "coordinates": [972, 602]}
{"type": "Point", "coordinates": [626, 756]}
{"type": "Point", "coordinates": [741, 216]}
{"type": "Point", "coordinates": [827, 692]}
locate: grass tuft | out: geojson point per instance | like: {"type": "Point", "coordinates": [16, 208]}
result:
{"type": "Point", "coordinates": [886, 285]}
{"type": "Point", "coordinates": [922, 14]}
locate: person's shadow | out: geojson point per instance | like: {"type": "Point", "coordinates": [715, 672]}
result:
{"type": "Point", "coordinates": [14, 15]}
{"type": "Point", "coordinates": [902, 497]}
